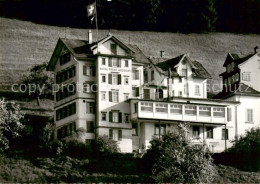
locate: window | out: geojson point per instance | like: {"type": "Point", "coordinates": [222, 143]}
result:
{"type": "Point", "coordinates": [65, 111]}
{"type": "Point", "coordinates": [126, 118]}
{"type": "Point", "coordinates": [135, 107]}
{"type": "Point", "coordinates": [103, 78]}
{"type": "Point", "coordinates": [229, 80]}
{"type": "Point", "coordinates": [157, 128]}
{"type": "Point", "coordinates": [180, 93]}
{"type": "Point", "coordinates": [126, 96]}
{"type": "Point", "coordinates": [224, 134]}
{"type": "Point", "coordinates": [103, 96]}
{"type": "Point", "coordinates": [90, 107]}
{"type": "Point", "coordinates": [197, 90]}
{"type": "Point", "coordinates": [209, 132]}
{"type": "Point", "coordinates": [176, 109]}
{"type": "Point", "coordinates": [103, 61]}
{"type": "Point", "coordinates": [145, 77]}
{"type": "Point", "coordinates": [246, 76]}
{"type": "Point", "coordinates": [126, 63]}
{"type": "Point", "coordinates": [134, 129]}
{"type": "Point", "coordinates": [104, 116]}
{"type": "Point", "coordinates": [90, 126]}
{"type": "Point", "coordinates": [113, 96]}
{"type": "Point", "coordinates": [228, 68]}
{"type": "Point", "coordinates": [65, 58]}
{"type": "Point", "coordinates": [184, 73]}
{"type": "Point", "coordinates": [66, 91]}
{"type": "Point", "coordinates": [126, 81]}
{"type": "Point", "coordinates": [135, 91]}
{"type": "Point", "coordinates": [114, 79]}
{"type": "Point", "coordinates": [115, 62]}
{"type": "Point", "coordinates": [159, 107]}
{"type": "Point", "coordinates": [113, 48]}
{"type": "Point", "coordinates": [89, 70]}
{"type": "Point", "coordinates": [190, 110]}
{"type": "Point", "coordinates": [195, 131]}
{"type": "Point", "coordinates": [237, 77]}
{"type": "Point", "coordinates": [115, 117]}
{"type": "Point", "coordinates": [87, 87]}
{"type": "Point", "coordinates": [225, 81]}
{"type": "Point", "coordinates": [135, 74]}
{"type": "Point", "coordinates": [120, 135]}
{"type": "Point", "coordinates": [233, 78]}
{"type": "Point", "coordinates": [204, 111]}
{"type": "Point", "coordinates": [152, 75]}
{"type": "Point", "coordinates": [147, 106]}
{"type": "Point", "coordinates": [219, 112]}
{"type": "Point", "coordinates": [66, 130]}
{"type": "Point", "coordinates": [185, 89]}
{"type": "Point", "coordinates": [249, 115]}
{"type": "Point", "coordinates": [65, 75]}
{"type": "Point", "coordinates": [232, 66]}
{"type": "Point", "coordinates": [229, 114]}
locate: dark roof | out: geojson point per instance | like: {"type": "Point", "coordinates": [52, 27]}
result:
{"type": "Point", "coordinates": [241, 89]}
{"type": "Point", "coordinates": [156, 60]}
{"type": "Point", "coordinates": [234, 57]}
{"type": "Point", "coordinates": [198, 70]}
{"type": "Point", "coordinates": [81, 49]}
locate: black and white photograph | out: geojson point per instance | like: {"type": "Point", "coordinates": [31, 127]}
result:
{"type": "Point", "coordinates": [130, 91]}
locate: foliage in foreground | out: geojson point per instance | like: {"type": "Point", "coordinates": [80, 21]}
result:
{"type": "Point", "coordinates": [10, 123]}
{"type": "Point", "coordinates": [244, 154]}
{"type": "Point", "coordinates": [177, 160]}
{"type": "Point", "coordinates": [106, 146]}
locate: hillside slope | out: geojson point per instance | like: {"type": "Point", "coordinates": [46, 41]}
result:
{"type": "Point", "coordinates": [23, 44]}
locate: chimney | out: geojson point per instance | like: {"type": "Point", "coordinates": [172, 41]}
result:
{"type": "Point", "coordinates": [90, 36]}
{"type": "Point", "coordinates": [256, 49]}
{"type": "Point", "coordinates": [162, 53]}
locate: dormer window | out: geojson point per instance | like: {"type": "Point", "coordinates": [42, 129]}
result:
{"type": "Point", "coordinates": [65, 58]}
{"type": "Point", "coordinates": [232, 66]}
{"type": "Point", "coordinates": [184, 73]}
{"type": "Point", "coordinates": [113, 48]}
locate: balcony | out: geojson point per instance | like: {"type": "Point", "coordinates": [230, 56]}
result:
{"type": "Point", "coordinates": [179, 111]}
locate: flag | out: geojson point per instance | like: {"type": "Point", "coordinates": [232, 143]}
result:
{"type": "Point", "coordinates": [91, 10]}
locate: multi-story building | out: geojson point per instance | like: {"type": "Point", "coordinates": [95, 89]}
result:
{"type": "Point", "coordinates": [241, 84]}
{"type": "Point", "coordinates": [131, 98]}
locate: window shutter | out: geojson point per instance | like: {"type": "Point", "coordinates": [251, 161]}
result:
{"type": "Point", "coordinates": [137, 75]}
{"type": "Point", "coordinates": [119, 79]}
{"type": "Point", "coordinates": [88, 126]}
{"type": "Point", "coordinates": [94, 108]}
{"type": "Point", "coordinates": [111, 133]}
{"type": "Point", "coordinates": [110, 62]}
{"type": "Point", "coordinates": [94, 71]}
{"type": "Point", "coordinates": [137, 92]}
{"type": "Point", "coordinates": [119, 62]}
{"type": "Point", "coordinates": [119, 134]}
{"type": "Point", "coordinates": [229, 114]}
{"type": "Point", "coordinates": [87, 107]}
{"type": "Point", "coordinates": [120, 117]}
{"type": "Point", "coordinates": [110, 116]}
{"type": "Point", "coordinates": [84, 70]}
{"type": "Point", "coordinates": [110, 96]}
{"type": "Point", "coordinates": [109, 78]}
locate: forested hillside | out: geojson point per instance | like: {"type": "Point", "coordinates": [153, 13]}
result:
{"type": "Point", "coordinates": [24, 44]}
{"type": "Point", "coordinates": [185, 16]}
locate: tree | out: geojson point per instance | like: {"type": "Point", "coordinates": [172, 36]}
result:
{"type": "Point", "coordinates": [38, 82]}
{"type": "Point", "coordinates": [176, 160]}
{"type": "Point", "coordinates": [10, 123]}
{"type": "Point", "coordinates": [106, 146]}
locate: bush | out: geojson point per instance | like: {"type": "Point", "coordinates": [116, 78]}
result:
{"type": "Point", "coordinates": [175, 159]}
{"type": "Point", "coordinates": [244, 154]}
{"type": "Point", "coordinates": [77, 149]}
{"type": "Point", "coordinates": [105, 146]}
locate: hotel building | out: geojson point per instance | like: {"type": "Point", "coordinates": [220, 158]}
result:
{"type": "Point", "coordinates": [131, 98]}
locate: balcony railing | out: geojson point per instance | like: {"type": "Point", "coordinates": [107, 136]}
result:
{"type": "Point", "coordinates": [182, 111]}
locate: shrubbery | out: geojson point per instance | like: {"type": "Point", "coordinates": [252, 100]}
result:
{"type": "Point", "coordinates": [244, 154]}
{"type": "Point", "coordinates": [106, 146]}
{"type": "Point", "coordinates": [175, 159]}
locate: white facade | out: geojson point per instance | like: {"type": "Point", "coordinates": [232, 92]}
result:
{"type": "Point", "coordinates": [132, 101]}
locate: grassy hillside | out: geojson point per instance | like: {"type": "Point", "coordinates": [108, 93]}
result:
{"type": "Point", "coordinates": [24, 44]}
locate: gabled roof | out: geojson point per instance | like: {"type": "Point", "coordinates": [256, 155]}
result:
{"type": "Point", "coordinates": [234, 57]}
{"type": "Point", "coordinates": [242, 89]}
{"type": "Point", "coordinates": [81, 49]}
{"type": "Point", "coordinates": [198, 70]}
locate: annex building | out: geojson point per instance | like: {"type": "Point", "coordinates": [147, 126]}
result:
{"type": "Point", "coordinates": [111, 88]}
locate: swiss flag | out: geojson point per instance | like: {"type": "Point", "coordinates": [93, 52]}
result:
{"type": "Point", "coordinates": [91, 9]}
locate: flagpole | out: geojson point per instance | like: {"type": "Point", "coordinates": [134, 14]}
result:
{"type": "Point", "coordinates": [96, 20]}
